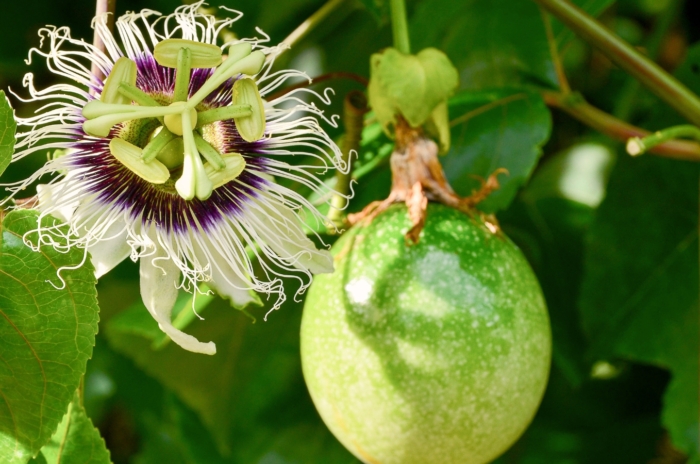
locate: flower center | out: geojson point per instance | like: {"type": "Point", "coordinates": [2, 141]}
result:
{"type": "Point", "coordinates": [174, 121]}
{"type": "Point", "coordinates": [176, 130]}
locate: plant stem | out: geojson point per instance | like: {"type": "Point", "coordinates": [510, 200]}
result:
{"type": "Point", "coordinates": [399, 26]}
{"type": "Point", "coordinates": [637, 146]}
{"type": "Point", "coordinates": [354, 109]}
{"type": "Point", "coordinates": [554, 52]}
{"type": "Point", "coordinates": [629, 92]}
{"type": "Point", "coordinates": [314, 20]}
{"type": "Point", "coordinates": [102, 7]}
{"type": "Point", "coordinates": [627, 57]}
{"type": "Point", "coordinates": [603, 122]}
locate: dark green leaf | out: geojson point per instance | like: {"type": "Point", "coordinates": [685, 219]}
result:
{"type": "Point", "coordinates": [563, 35]}
{"type": "Point", "coordinates": [493, 43]}
{"type": "Point", "coordinates": [689, 74]}
{"type": "Point", "coordinates": [76, 441]}
{"type": "Point", "coordinates": [250, 394]}
{"type": "Point", "coordinates": [379, 9]}
{"type": "Point", "coordinates": [8, 126]}
{"type": "Point", "coordinates": [640, 293]}
{"type": "Point", "coordinates": [47, 335]}
{"type": "Point", "coordinates": [548, 222]}
{"type": "Point", "coordinates": [495, 129]}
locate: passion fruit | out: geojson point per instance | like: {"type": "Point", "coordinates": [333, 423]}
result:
{"type": "Point", "coordinates": [431, 353]}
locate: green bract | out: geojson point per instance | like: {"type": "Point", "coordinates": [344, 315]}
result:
{"type": "Point", "coordinates": [433, 353]}
{"type": "Point", "coordinates": [413, 86]}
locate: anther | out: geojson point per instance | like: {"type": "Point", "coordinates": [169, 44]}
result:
{"type": "Point", "coordinates": [130, 156]}
{"type": "Point", "coordinates": [123, 71]}
{"type": "Point", "coordinates": [234, 165]}
{"type": "Point", "coordinates": [245, 92]}
{"type": "Point", "coordinates": [202, 55]}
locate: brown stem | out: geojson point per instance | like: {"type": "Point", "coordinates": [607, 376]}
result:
{"type": "Point", "coordinates": [650, 74]}
{"type": "Point", "coordinates": [102, 7]}
{"type": "Point", "coordinates": [354, 110]}
{"type": "Point", "coordinates": [417, 176]}
{"type": "Point", "coordinates": [577, 107]}
{"type": "Point", "coordinates": [316, 80]}
{"type": "Point", "coordinates": [561, 75]}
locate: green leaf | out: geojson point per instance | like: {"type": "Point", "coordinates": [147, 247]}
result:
{"type": "Point", "coordinates": [495, 129]}
{"type": "Point", "coordinates": [76, 440]}
{"type": "Point", "coordinates": [246, 395]}
{"type": "Point", "coordinates": [8, 126]}
{"type": "Point", "coordinates": [410, 85]}
{"type": "Point", "coordinates": [688, 73]}
{"type": "Point", "coordinates": [47, 335]}
{"type": "Point", "coordinates": [563, 35]}
{"type": "Point", "coordinates": [639, 298]}
{"type": "Point", "coordinates": [379, 10]}
{"type": "Point", "coordinates": [493, 43]}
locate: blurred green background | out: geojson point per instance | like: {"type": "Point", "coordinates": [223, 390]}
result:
{"type": "Point", "coordinates": [602, 232]}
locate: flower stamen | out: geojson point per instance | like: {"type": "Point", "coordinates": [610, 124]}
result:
{"type": "Point", "coordinates": [208, 152]}
{"type": "Point", "coordinates": [223, 113]}
{"type": "Point", "coordinates": [182, 75]}
{"type": "Point", "coordinates": [161, 139]}
{"type": "Point", "coordinates": [235, 164]}
{"type": "Point", "coordinates": [123, 72]}
{"type": "Point", "coordinates": [131, 157]}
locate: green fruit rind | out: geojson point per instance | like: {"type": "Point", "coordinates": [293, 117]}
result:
{"type": "Point", "coordinates": [433, 353]}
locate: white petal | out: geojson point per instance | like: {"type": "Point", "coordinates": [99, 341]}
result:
{"type": "Point", "coordinates": [229, 285]}
{"type": "Point", "coordinates": [282, 231]}
{"type": "Point", "coordinates": [49, 198]}
{"type": "Point", "coordinates": [225, 281]}
{"type": "Point", "coordinates": [106, 254]}
{"type": "Point", "coordinates": [159, 292]}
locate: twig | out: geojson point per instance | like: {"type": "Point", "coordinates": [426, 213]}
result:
{"type": "Point", "coordinates": [354, 109]}
{"type": "Point", "coordinates": [554, 52]}
{"type": "Point", "coordinates": [399, 26]}
{"type": "Point", "coordinates": [637, 145]}
{"type": "Point", "coordinates": [314, 20]}
{"type": "Point", "coordinates": [102, 7]}
{"type": "Point", "coordinates": [651, 75]}
{"type": "Point", "coordinates": [576, 106]}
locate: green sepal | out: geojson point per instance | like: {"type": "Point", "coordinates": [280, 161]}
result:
{"type": "Point", "coordinates": [438, 126]}
{"type": "Point", "coordinates": [411, 86]}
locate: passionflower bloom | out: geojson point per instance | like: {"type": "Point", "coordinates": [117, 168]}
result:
{"type": "Point", "coordinates": [172, 159]}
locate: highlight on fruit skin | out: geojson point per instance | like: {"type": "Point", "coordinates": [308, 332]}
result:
{"type": "Point", "coordinates": [437, 352]}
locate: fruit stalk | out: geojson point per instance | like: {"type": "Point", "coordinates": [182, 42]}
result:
{"type": "Point", "coordinates": [417, 177]}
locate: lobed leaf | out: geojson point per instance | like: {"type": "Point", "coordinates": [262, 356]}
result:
{"type": "Point", "coordinates": [8, 126]}
{"type": "Point", "coordinates": [639, 298]}
{"type": "Point", "coordinates": [493, 43]}
{"type": "Point", "coordinates": [47, 335]}
{"type": "Point", "coordinates": [504, 128]}
{"type": "Point", "coordinates": [76, 440]}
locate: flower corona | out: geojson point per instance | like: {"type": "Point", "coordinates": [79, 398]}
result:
{"type": "Point", "coordinates": [171, 159]}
